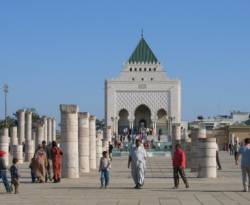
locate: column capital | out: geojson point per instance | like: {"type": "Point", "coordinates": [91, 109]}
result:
{"type": "Point", "coordinates": [28, 112]}
{"type": "Point", "coordinates": [83, 115]}
{"type": "Point", "coordinates": [20, 110]}
{"type": "Point", "coordinates": [69, 108]}
{"type": "Point", "coordinates": [92, 117]}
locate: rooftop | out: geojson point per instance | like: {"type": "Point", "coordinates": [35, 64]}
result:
{"type": "Point", "coordinates": [143, 53]}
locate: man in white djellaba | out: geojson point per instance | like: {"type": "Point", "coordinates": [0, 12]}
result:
{"type": "Point", "coordinates": [137, 159]}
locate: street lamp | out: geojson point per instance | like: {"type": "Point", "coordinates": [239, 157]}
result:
{"type": "Point", "coordinates": [5, 90]}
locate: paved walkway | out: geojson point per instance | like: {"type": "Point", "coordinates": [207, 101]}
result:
{"type": "Point", "coordinates": [226, 189]}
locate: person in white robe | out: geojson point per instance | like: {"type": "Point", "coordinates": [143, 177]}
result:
{"type": "Point", "coordinates": [137, 159]}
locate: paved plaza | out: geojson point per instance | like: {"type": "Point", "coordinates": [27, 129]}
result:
{"type": "Point", "coordinates": [226, 189]}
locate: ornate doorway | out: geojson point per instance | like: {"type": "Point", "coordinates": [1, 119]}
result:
{"type": "Point", "coordinates": [142, 117]}
{"type": "Point", "coordinates": [123, 123]}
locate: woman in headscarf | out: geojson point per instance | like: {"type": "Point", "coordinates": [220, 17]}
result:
{"type": "Point", "coordinates": [41, 163]}
{"type": "Point", "coordinates": [57, 162]}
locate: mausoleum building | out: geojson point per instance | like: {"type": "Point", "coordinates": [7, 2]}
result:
{"type": "Point", "coordinates": [143, 95]}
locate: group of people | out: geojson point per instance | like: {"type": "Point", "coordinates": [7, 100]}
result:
{"type": "Point", "coordinates": [137, 159]}
{"type": "Point", "coordinates": [13, 172]}
{"type": "Point", "coordinates": [47, 159]}
{"type": "Point", "coordinates": [137, 162]}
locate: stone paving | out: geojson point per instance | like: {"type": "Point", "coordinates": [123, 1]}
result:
{"type": "Point", "coordinates": [226, 189]}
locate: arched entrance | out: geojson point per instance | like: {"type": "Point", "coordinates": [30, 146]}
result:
{"type": "Point", "coordinates": [162, 122]}
{"type": "Point", "coordinates": [142, 117]}
{"type": "Point", "coordinates": [123, 123]}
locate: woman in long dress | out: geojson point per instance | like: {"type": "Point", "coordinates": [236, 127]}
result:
{"type": "Point", "coordinates": [57, 162]}
{"type": "Point", "coordinates": [41, 163]}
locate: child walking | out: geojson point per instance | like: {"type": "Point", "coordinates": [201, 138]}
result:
{"type": "Point", "coordinates": [104, 168]}
{"type": "Point", "coordinates": [32, 167]}
{"type": "Point", "coordinates": [14, 172]}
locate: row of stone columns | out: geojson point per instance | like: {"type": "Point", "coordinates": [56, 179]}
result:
{"type": "Point", "coordinates": [23, 136]}
{"type": "Point", "coordinates": [81, 145]}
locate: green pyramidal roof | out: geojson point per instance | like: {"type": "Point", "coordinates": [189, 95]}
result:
{"type": "Point", "coordinates": [143, 54]}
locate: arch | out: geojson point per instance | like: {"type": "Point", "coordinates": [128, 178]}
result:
{"type": "Point", "coordinates": [123, 122]}
{"type": "Point", "coordinates": [162, 122]}
{"type": "Point", "coordinates": [142, 117]}
{"type": "Point", "coordinates": [161, 114]}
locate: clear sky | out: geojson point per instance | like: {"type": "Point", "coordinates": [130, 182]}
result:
{"type": "Point", "coordinates": [56, 51]}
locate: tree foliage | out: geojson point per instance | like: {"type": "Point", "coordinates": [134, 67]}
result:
{"type": "Point", "coordinates": [10, 122]}
{"type": "Point", "coordinates": [100, 124]}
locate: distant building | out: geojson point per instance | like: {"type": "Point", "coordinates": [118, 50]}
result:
{"type": "Point", "coordinates": [239, 117]}
{"type": "Point", "coordinates": [219, 121]}
{"type": "Point", "coordinates": [226, 128]}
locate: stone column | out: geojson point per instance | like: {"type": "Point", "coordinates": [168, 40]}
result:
{"type": "Point", "coordinates": [99, 146]}
{"type": "Point", "coordinates": [176, 134]}
{"type": "Point", "coordinates": [28, 135]}
{"type": "Point", "coordinates": [49, 130]}
{"type": "Point", "coordinates": [21, 126]}
{"type": "Point", "coordinates": [109, 134]}
{"type": "Point", "coordinates": [92, 137]}
{"type": "Point", "coordinates": [4, 144]}
{"type": "Point", "coordinates": [45, 129]}
{"type": "Point", "coordinates": [188, 151]}
{"type": "Point", "coordinates": [40, 134]}
{"type": "Point", "coordinates": [18, 153]}
{"type": "Point", "coordinates": [207, 167]}
{"type": "Point", "coordinates": [83, 145]}
{"type": "Point", "coordinates": [131, 124]}
{"type": "Point", "coordinates": [202, 133]}
{"type": "Point", "coordinates": [30, 150]}
{"type": "Point", "coordinates": [116, 126]}
{"type": "Point", "coordinates": [105, 145]}
{"type": "Point", "coordinates": [69, 141]}
{"type": "Point", "coordinates": [194, 149]}
{"type": "Point", "coordinates": [153, 128]}
{"type": "Point", "coordinates": [13, 138]}
{"type": "Point", "coordinates": [34, 138]}
{"type": "Point", "coordinates": [53, 129]}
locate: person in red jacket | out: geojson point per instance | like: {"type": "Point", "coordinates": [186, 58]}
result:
{"type": "Point", "coordinates": [57, 162]}
{"type": "Point", "coordinates": [179, 165]}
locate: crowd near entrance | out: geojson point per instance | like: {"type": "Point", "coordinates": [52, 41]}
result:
{"type": "Point", "coordinates": [154, 132]}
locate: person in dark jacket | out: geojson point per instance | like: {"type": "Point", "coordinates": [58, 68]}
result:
{"type": "Point", "coordinates": [3, 172]}
{"type": "Point", "coordinates": [179, 165]}
{"type": "Point", "coordinates": [15, 176]}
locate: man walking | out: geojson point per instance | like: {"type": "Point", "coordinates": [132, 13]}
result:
{"type": "Point", "coordinates": [3, 172]}
{"type": "Point", "coordinates": [244, 151]}
{"type": "Point", "coordinates": [137, 159]}
{"type": "Point", "coordinates": [179, 165]}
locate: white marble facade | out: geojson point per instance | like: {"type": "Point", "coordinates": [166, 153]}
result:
{"type": "Point", "coordinates": [142, 95]}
